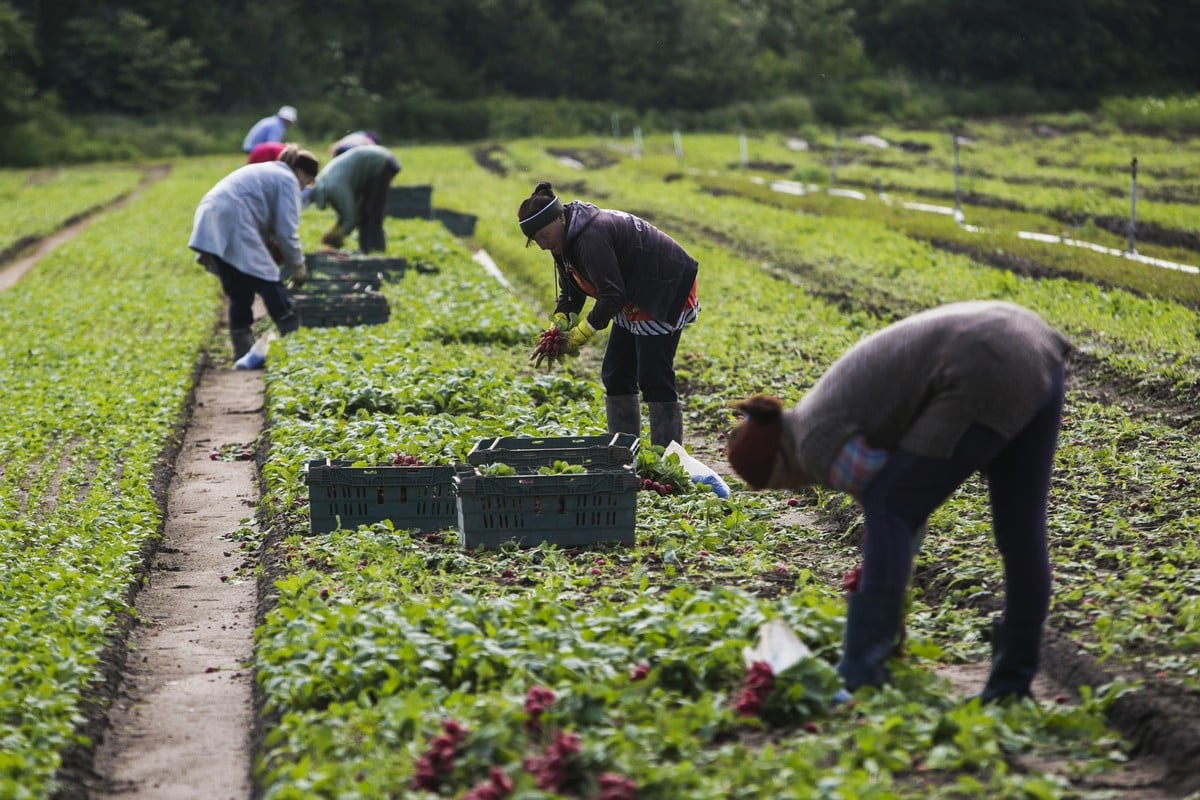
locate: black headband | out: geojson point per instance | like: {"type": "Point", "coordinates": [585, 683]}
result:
{"type": "Point", "coordinates": [532, 224]}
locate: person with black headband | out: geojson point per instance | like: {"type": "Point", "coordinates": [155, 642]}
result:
{"type": "Point", "coordinates": [251, 211]}
{"type": "Point", "coordinates": [899, 422]}
{"type": "Point", "coordinates": [642, 281]}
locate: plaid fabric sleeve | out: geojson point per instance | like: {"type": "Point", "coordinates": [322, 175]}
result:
{"type": "Point", "coordinates": [855, 466]}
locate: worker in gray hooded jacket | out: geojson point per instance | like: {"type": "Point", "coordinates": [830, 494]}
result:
{"type": "Point", "coordinates": [642, 281]}
{"type": "Point", "coordinates": [900, 422]}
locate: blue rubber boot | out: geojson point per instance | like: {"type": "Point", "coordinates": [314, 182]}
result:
{"type": "Point", "coordinates": [872, 628]}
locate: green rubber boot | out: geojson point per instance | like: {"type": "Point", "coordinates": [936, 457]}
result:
{"type": "Point", "coordinates": [624, 412]}
{"type": "Point", "coordinates": [242, 340]}
{"type": "Point", "coordinates": [666, 423]}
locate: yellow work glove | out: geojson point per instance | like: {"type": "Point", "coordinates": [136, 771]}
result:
{"type": "Point", "coordinates": [299, 275]}
{"type": "Point", "coordinates": [333, 237]}
{"type": "Point", "coordinates": [578, 335]}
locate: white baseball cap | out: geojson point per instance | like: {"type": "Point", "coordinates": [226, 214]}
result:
{"type": "Point", "coordinates": [288, 113]}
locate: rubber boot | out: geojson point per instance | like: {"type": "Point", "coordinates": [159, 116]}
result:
{"type": "Point", "coordinates": [372, 240]}
{"type": "Point", "coordinates": [624, 412]}
{"type": "Point", "coordinates": [242, 339]}
{"type": "Point", "coordinates": [872, 628]}
{"type": "Point", "coordinates": [288, 323]}
{"type": "Point", "coordinates": [1015, 654]}
{"type": "Point", "coordinates": [666, 423]}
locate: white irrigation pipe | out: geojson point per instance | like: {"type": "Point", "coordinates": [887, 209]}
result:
{"type": "Point", "coordinates": [482, 258]}
{"type": "Point", "coordinates": [1111, 251]}
{"type": "Point", "coordinates": [795, 188]}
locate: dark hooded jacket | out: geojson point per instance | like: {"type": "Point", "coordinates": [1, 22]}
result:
{"type": "Point", "coordinates": [621, 260]}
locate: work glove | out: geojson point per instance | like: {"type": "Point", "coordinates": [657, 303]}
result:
{"type": "Point", "coordinates": [299, 275]}
{"type": "Point", "coordinates": [578, 335]}
{"type": "Point", "coordinates": [333, 238]}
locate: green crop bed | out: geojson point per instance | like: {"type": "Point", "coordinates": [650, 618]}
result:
{"type": "Point", "coordinates": [392, 663]}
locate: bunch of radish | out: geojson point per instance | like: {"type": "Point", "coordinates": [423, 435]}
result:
{"type": "Point", "coordinates": [756, 688]}
{"type": "Point", "coordinates": [405, 460]}
{"type": "Point", "coordinates": [552, 344]}
{"type": "Point", "coordinates": [438, 761]}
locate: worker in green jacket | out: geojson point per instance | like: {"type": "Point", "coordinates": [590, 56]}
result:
{"type": "Point", "coordinates": [355, 184]}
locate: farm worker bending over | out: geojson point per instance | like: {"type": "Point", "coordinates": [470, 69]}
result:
{"type": "Point", "coordinates": [642, 281]}
{"type": "Point", "coordinates": [900, 422]}
{"type": "Point", "coordinates": [249, 210]}
{"type": "Point", "coordinates": [352, 139]}
{"type": "Point", "coordinates": [270, 129]}
{"type": "Point", "coordinates": [356, 185]}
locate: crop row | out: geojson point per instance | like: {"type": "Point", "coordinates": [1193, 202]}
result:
{"type": "Point", "coordinates": [381, 641]}
{"type": "Point", "coordinates": [1134, 459]}
{"type": "Point", "coordinates": [993, 174]}
{"type": "Point", "coordinates": [34, 203]}
{"type": "Point", "coordinates": [99, 343]}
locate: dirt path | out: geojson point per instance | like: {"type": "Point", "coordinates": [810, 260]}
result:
{"type": "Point", "coordinates": [181, 723]}
{"type": "Point", "coordinates": [13, 270]}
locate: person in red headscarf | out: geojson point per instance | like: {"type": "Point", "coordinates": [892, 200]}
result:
{"type": "Point", "coordinates": [267, 151]}
{"type": "Point", "coordinates": [899, 422]}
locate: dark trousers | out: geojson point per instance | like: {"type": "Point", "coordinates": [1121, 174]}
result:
{"type": "Point", "coordinates": [640, 363]}
{"type": "Point", "coordinates": [240, 288]}
{"type": "Point", "coordinates": [910, 487]}
{"type": "Point", "coordinates": [372, 209]}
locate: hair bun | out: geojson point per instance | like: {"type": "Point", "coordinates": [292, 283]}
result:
{"type": "Point", "coordinates": [762, 408]}
{"type": "Point", "coordinates": [545, 188]}
{"type": "Point", "coordinates": [752, 446]}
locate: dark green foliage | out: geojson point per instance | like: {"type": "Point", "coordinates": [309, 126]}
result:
{"type": "Point", "coordinates": [467, 69]}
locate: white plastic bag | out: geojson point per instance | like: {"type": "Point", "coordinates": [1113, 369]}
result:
{"type": "Point", "coordinates": [257, 357]}
{"type": "Point", "coordinates": [698, 470]}
{"type": "Point", "coordinates": [777, 645]}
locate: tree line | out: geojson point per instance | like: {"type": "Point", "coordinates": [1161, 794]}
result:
{"type": "Point", "coordinates": [153, 56]}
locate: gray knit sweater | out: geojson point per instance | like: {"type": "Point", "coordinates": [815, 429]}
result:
{"type": "Point", "coordinates": [919, 384]}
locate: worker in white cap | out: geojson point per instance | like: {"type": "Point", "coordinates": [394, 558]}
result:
{"type": "Point", "coordinates": [270, 129]}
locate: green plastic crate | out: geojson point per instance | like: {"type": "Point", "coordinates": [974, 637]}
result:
{"type": "Point", "coordinates": [567, 510]}
{"type": "Point", "coordinates": [344, 496]}
{"type": "Point", "coordinates": [345, 264]}
{"type": "Point", "coordinates": [608, 451]}
{"type": "Point", "coordinates": [456, 222]}
{"type": "Point", "coordinates": [345, 284]}
{"type": "Point", "coordinates": [410, 201]}
{"type": "Point", "coordinates": [347, 309]}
